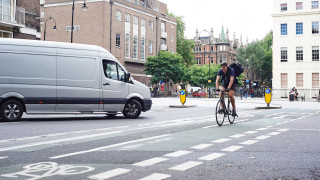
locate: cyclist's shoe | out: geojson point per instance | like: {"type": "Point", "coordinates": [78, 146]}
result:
{"type": "Point", "coordinates": [221, 111]}
{"type": "Point", "coordinates": [234, 113]}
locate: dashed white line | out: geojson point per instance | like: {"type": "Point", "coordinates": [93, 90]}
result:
{"type": "Point", "coordinates": [221, 140]}
{"type": "Point", "coordinates": [186, 166]}
{"type": "Point", "coordinates": [262, 137]}
{"type": "Point", "coordinates": [201, 146]}
{"type": "Point", "coordinates": [4, 157]}
{"type": "Point", "coordinates": [178, 153]}
{"type": "Point", "coordinates": [211, 156]}
{"type": "Point", "coordinates": [232, 148]}
{"type": "Point", "coordinates": [251, 132]}
{"type": "Point", "coordinates": [150, 162]}
{"type": "Point", "coordinates": [261, 129]}
{"type": "Point", "coordinates": [109, 174]}
{"type": "Point", "coordinates": [283, 130]}
{"type": "Point", "coordinates": [237, 136]}
{"type": "Point", "coordinates": [249, 142]}
{"type": "Point", "coordinates": [274, 133]}
{"type": "Point", "coordinates": [156, 176]}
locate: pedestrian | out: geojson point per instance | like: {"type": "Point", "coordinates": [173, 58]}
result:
{"type": "Point", "coordinates": [251, 92]}
{"type": "Point", "coordinates": [245, 92]}
{"type": "Point", "coordinates": [241, 92]}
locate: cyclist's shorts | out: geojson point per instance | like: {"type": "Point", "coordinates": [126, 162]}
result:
{"type": "Point", "coordinates": [233, 87]}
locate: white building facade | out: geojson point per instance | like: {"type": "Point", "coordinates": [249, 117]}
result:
{"type": "Point", "coordinates": [296, 42]}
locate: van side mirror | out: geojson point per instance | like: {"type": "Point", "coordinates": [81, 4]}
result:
{"type": "Point", "coordinates": [128, 77]}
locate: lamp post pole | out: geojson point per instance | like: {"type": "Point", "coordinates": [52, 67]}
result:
{"type": "Point", "coordinates": [83, 8]}
{"type": "Point", "coordinates": [45, 27]}
{"type": "Point", "coordinates": [209, 56]}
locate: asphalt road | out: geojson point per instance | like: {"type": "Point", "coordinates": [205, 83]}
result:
{"type": "Point", "coordinates": [167, 143]}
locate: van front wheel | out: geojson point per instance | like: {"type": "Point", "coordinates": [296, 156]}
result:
{"type": "Point", "coordinates": [11, 110]}
{"type": "Point", "coordinates": [132, 109]}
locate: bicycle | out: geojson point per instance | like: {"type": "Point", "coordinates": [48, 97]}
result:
{"type": "Point", "coordinates": [222, 111]}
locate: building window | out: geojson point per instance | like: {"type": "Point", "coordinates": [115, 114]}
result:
{"type": "Point", "coordinates": [135, 48]}
{"type": "Point", "coordinates": [284, 29]}
{"type": "Point", "coordinates": [171, 51]}
{"type": "Point", "coordinates": [299, 54]}
{"type": "Point", "coordinates": [118, 15]}
{"type": "Point", "coordinates": [299, 28]}
{"type": "Point", "coordinates": [127, 18]}
{"type": "Point", "coordinates": [315, 4]}
{"type": "Point", "coordinates": [299, 5]}
{"type": "Point", "coordinates": [6, 34]}
{"type": "Point", "coordinates": [284, 54]}
{"type": "Point", "coordinates": [172, 38]}
{"type": "Point", "coordinates": [136, 1]}
{"type": "Point", "coordinates": [75, 28]}
{"type": "Point", "coordinates": [42, 2]}
{"type": "Point", "coordinates": [315, 27]}
{"type": "Point", "coordinates": [163, 27]}
{"type": "Point", "coordinates": [299, 79]}
{"type": "Point", "coordinates": [42, 15]}
{"type": "Point", "coordinates": [211, 59]}
{"type": "Point", "coordinates": [117, 40]}
{"type": "Point", "coordinates": [5, 10]}
{"type": "Point", "coordinates": [284, 7]}
{"type": "Point", "coordinates": [150, 47]}
{"type": "Point", "coordinates": [315, 80]}
{"type": "Point", "coordinates": [284, 80]}
{"type": "Point", "coordinates": [150, 25]}
{"type": "Point", "coordinates": [315, 53]}
{"type": "Point", "coordinates": [142, 50]}
{"type": "Point", "coordinates": [127, 48]}
{"type": "Point", "coordinates": [143, 23]}
{"type": "Point", "coordinates": [135, 20]}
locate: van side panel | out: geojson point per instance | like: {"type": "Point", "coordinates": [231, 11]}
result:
{"type": "Point", "coordinates": [31, 72]}
{"type": "Point", "coordinates": [77, 81]}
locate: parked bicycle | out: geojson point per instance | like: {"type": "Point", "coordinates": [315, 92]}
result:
{"type": "Point", "coordinates": [223, 111]}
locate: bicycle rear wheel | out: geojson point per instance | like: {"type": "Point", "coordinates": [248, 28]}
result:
{"type": "Point", "coordinates": [220, 113]}
{"type": "Point", "coordinates": [230, 117]}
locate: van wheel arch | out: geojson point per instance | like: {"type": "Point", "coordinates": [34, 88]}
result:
{"type": "Point", "coordinates": [17, 99]}
{"type": "Point", "coordinates": [11, 109]}
{"type": "Point", "coordinates": [132, 109]}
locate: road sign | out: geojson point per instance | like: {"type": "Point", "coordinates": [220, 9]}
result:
{"type": "Point", "coordinates": [183, 96]}
{"type": "Point", "coordinates": [267, 95]}
{"type": "Point", "coordinates": [209, 81]}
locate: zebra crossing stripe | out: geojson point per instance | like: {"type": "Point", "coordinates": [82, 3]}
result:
{"type": "Point", "coordinates": [150, 162]}
{"type": "Point", "coordinates": [262, 137]}
{"type": "Point", "coordinates": [237, 136]}
{"type": "Point", "coordinates": [201, 146]}
{"type": "Point", "coordinates": [249, 142]}
{"type": "Point", "coordinates": [186, 166]}
{"type": "Point", "coordinates": [3, 157]}
{"type": "Point", "coordinates": [221, 140]}
{"type": "Point", "coordinates": [109, 174]}
{"type": "Point", "coordinates": [251, 132]}
{"type": "Point", "coordinates": [212, 156]}
{"type": "Point", "coordinates": [178, 153]}
{"type": "Point", "coordinates": [232, 148]}
{"type": "Point", "coordinates": [156, 176]}
{"type": "Point", "coordinates": [274, 133]}
{"type": "Point", "coordinates": [283, 130]}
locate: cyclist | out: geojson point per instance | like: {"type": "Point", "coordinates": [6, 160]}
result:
{"type": "Point", "coordinates": [229, 82]}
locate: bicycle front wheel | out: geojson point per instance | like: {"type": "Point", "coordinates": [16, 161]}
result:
{"type": "Point", "coordinates": [220, 113]}
{"type": "Point", "coordinates": [230, 117]}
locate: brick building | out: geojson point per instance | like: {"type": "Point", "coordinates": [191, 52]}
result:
{"type": "Point", "coordinates": [221, 49]}
{"type": "Point", "coordinates": [131, 30]}
{"type": "Point", "coordinates": [20, 19]}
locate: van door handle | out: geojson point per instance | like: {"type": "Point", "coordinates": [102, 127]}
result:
{"type": "Point", "coordinates": [106, 84]}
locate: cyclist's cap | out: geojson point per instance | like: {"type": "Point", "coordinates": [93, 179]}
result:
{"type": "Point", "coordinates": [224, 64]}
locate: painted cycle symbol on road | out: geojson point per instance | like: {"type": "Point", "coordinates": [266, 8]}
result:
{"type": "Point", "coordinates": [47, 169]}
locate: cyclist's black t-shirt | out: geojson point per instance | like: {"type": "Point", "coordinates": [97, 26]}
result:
{"type": "Point", "coordinates": [225, 77]}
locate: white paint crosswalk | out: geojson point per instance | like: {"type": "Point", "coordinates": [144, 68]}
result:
{"type": "Point", "coordinates": [109, 174]}
{"type": "Point", "coordinates": [150, 162]}
{"type": "Point", "coordinates": [186, 166]}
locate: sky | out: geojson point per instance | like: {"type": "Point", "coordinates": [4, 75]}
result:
{"type": "Point", "coordinates": [251, 18]}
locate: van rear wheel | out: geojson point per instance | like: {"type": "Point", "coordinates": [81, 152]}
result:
{"type": "Point", "coordinates": [132, 109]}
{"type": "Point", "coordinates": [11, 110]}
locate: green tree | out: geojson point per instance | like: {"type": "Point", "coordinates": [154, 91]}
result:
{"type": "Point", "coordinates": [165, 67]}
{"type": "Point", "coordinates": [198, 75]}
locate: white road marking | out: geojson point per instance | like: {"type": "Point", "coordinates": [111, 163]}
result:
{"type": "Point", "coordinates": [178, 153]}
{"type": "Point", "coordinates": [109, 174]}
{"type": "Point", "coordinates": [274, 133]}
{"type": "Point", "coordinates": [283, 130]}
{"type": "Point", "coordinates": [201, 146]}
{"type": "Point", "coordinates": [261, 129]}
{"type": "Point", "coordinates": [150, 162]}
{"type": "Point", "coordinates": [4, 157]}
{"type": "Point", "coordinates": [251, 132]}
{"type": "Point", "coordinates": [210, 126]}
{"type": "Point", "coordinates": [221, 140]}
{"type": "Point", "coordinates": [278, 124]}
{"type": "Point", "coordinates": [106, 147]}
{"type": "Point", "coordinates": [211, 156]}
{"type": "Point", "coordinates": [269, 126]}
{"type": "Point", "coordinates": [273, 114]}
{"type": "Point", "coordinates": [237, 136]}
{"type": "Point", "coordinates": [156, 176]}
{"type": "Point", "coordinates": [262, 137]}
{"type": "Point", "coordinates": [131, 147]}
{"type": "Point", "coordinates": [249, 142]}
{"type": "Point", "coordinates": [185, 166]}
{"type": "Point", "coordinates": [247, 116]}
{"type": "Point", "coordinates": [232, 148]}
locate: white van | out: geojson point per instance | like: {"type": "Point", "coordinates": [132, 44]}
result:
{"type": "Point", "coordinates": [41, 77]}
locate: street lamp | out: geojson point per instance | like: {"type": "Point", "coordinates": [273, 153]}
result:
{"type": "Point", "coordinates": [84, 8]}
{"type": "Point", "coordinates": [209, 55]}
{"type": "Point", "coordinates": [45, 27]}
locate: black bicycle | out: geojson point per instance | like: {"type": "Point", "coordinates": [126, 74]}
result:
{"type": "Point", "coordinates": [223, 111]}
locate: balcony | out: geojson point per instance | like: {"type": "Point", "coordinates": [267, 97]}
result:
{"type": "Point", "coordinates": [15, 17]}
{"type": "Point", "coordinates": [163, 47]}
{"type": "Point", "coordinates": [164, 35]}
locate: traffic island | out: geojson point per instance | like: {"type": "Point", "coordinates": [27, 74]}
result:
{"type": "Point", "coordinates": [269, 107]}
{"type": "Point", "coordinates": [181, 106]}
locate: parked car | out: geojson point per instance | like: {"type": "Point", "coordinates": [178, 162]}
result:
{"type": "Point", "coordinates": [199, 93]}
